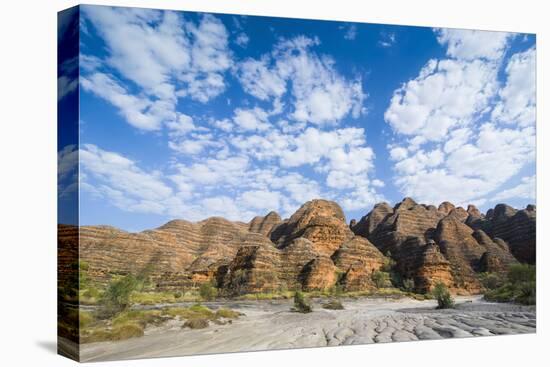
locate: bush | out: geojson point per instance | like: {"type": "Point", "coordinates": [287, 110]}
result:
{"type": "Point", "coordinates": [408, 285]}
{"type": "Point", "coordinates": [520, 286]}
{"type": "Point", "coordinates": [177, 295]}
{"type": "Point", "coordinates": [490, 280]}
{"type": "Point", "coordinates": [381, 279]}
{"type": "Point", "coordinates": [208, 292]}
{"type": "Point", "coordinates": [521, 273]}
{"type": "Point", "coordinates": [333, 305]}
{"type": "Point", "coordinates": [227, 313]}
{"type": "Point", "coordinates": [300, 303]}
{"type": "Point", "coordinates": [85, 318]}
{"type": "Point", "coordinates": [196, 323]}
{"type": "Point", "coordinates": [116, 297]}
{"type": "Point", "coordinates": [443, 296]}
{"type": "Point", "coordinates": [126, 331]}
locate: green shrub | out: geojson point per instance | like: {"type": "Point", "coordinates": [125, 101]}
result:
{"type": "Point", "coordinates": [208, 292]}
{"type": "Point", "coordinates": [227, 313]}
{"type": "Point", "coordinates": [443, 296]}
{"type": "Point", "coordinates": [177, 295]}
{"type": "Point", "coordinates": [520, 286]}
{"type": "Point", "coordinates": [85, 318]}
{"type": "Point", "coordinates": [490, 280]}
{"type": "Point", "coordinates": [126, 331]}
{"type": "Point", "coordinates": [141, 317]}
{"type": "Point", "coordinates": [333, 305]}
{"type": "Point", "coordinates": [520, 273]}
{"type": "Point", "coordinates": [196, 323]}
{"type": "Point", "coordinates": [381, 279]}
{"type": "Point", "coordinates": [300, 303]}
{"type": "Point", "coordinates": [408, 285]}
{"type": "Point", "coordinates": [116, 297]}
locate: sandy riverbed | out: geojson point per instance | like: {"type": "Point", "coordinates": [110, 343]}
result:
{"type": "Point", "coordinates": [270, 325]}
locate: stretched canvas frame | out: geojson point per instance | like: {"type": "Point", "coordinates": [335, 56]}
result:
{"type": "Point", "coordinates": [207, 164]}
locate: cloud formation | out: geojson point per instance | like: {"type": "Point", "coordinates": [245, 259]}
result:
{"type": "Point", "coordinates": [461, 133]}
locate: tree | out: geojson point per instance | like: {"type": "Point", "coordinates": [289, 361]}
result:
{"type": "Point", "coordinates": [208, 292]}
{"type": "Point", "coordinates": [117, 295]}
{"type": "Point", "coordinates": [300, 303]}
{"type": "Point", "coordinates": [443, 296]}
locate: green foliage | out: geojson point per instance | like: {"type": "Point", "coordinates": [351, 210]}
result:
{"type": "Point", "coordinates": [301, 304]}
{"type": "Point", "coordinates": [408, 285]}
{"type": "Point", "coordinates": [520, 286]}
{"type": "Point", "coordinates": [238, 282]}
{"type": "Point", "coordinates": [208, 292]}
{"type": "Point", "coordinates": [491, 281]}
{"type": "Point", "coordinates": [389, 263]}
{"type": "Point", "coordinates": [177, 295]}
{"type": "Point", "coordinates": [85, 318]}
{"type": "Point", "coordinates": [116, 297]}
{"type": "Point", "coordinates": [140, 317]}
{"type": "Point", "coordinates": [83, 280]}
{"type": "Point", "coordinates": [227, 313]}
{"type": "Point", "coordinates": [522, 273]}
{"type": "Point", "coordinates": [333, 305]}
{"type": "Point", "coordinates": [381, 279]}
{"type": "Point", "coordinates": [443, 296]}
{"type": "Point", "coordinates": [337, 290]}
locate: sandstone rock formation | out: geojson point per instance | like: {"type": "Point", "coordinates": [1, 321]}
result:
{"type": "Point", "coordinates": [314, 249]}
{"type": "Point", "coordinates": [446, 244]}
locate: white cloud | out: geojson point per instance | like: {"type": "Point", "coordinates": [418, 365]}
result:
{"type": "Point", "coordinates": [351, 32]}
{"type": "Point", "coordinates": [194, 144]}
{"type": "Point", "coordinates": [452, 143]}
{"type": "Point", "coordinates": [242, 39]}
{"type": "Point", "coordinates": [165, 56]}
{"type": "Point", "coordinates": [251, 119]}
{"type": "Point", "coordinates": [387, 39]}
{"type": "Point", "coordinates": [67, 81]}
{"type": "Point", "coordinates": [139, 111]}
{"type": "Point", "coordinates": [525, 190]}
{"type": "Point", "coordinates": [445, 95]}
{"type": "Point", "coordinates": [320, 95]}
{"type": "Point", "coordinates": [473, 44]}
{"type": "Point", "coordinates": [182, 126]}
{"type": "Point", "coordinates": [67, 171]}
{"type": "Point", "coordinates": [518, 97]}
{"type": "Point", "coordinates": [122, 181]}
{"type": "Point", "coordinates": [259, 80]}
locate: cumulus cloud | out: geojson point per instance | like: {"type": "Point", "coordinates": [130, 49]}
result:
{"type": "Point", "coordinates": [461, 134]}
{"type": "Point", "coordinates": [251, 119]}
{"type": "Point", "coordinates": [230, 187]}
{"type": "Point", "coordinates": [517, 103]}
{"type": "Point", "coordinates": [122, 181]}
{"type": "Point", "coordinates": [242, 39]}
{"type": "Point", "coordinates": [446, 94]}
{"type": "Point", "coordinates": [164, 55]}
{"type": "Point", "coordinates": [319, 94]}
{"type": "Point", "coordinates": [473, 44]}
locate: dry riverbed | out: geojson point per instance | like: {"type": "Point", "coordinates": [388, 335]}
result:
{"type": "Point", "coordinates": [270, 325]}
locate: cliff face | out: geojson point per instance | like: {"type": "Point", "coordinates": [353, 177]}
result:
{"type": "Point", "coordinates": [515, 227]}
{"type": "Point", "coordinates": [314, 249]}
{"type": "Point", "coordinates": [448, 243]}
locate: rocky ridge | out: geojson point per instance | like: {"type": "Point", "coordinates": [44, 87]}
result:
{"type": "Point", "coordinates": [314, 249]}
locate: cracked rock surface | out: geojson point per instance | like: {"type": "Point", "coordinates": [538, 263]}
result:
{"type": "Point", "coordinates": [270, 325]}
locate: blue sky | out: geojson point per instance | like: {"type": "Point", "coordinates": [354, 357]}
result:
{"type": "Point", "coordinates": [190, 115]}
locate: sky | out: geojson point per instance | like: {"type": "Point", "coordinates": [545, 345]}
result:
{"type": "Point", "coordinates": [191, 115]}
